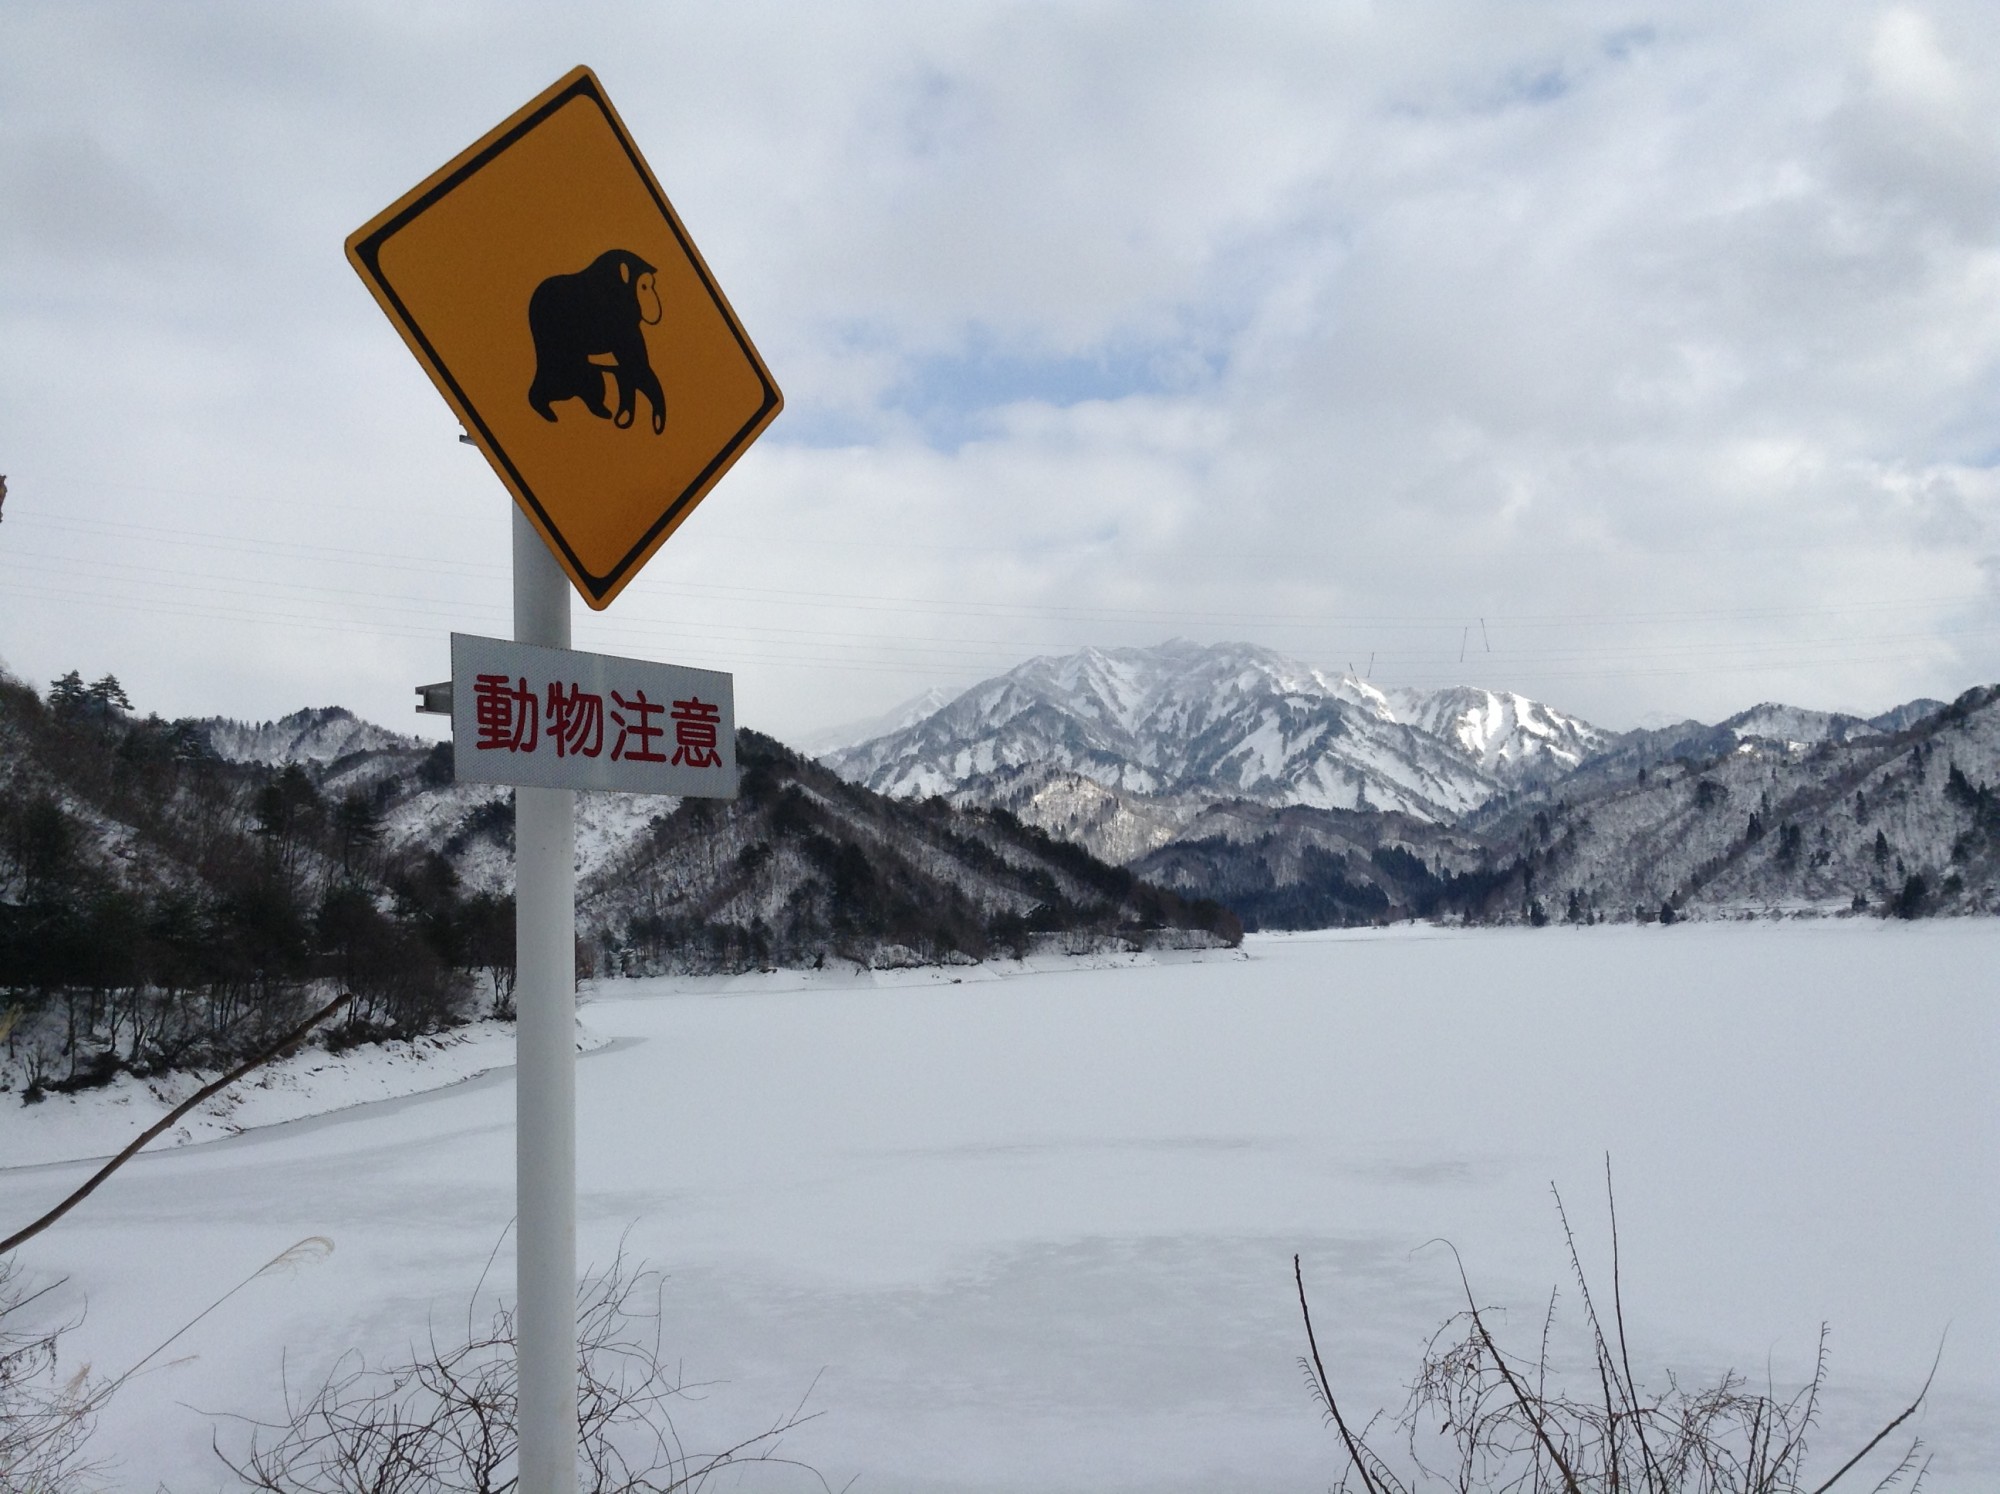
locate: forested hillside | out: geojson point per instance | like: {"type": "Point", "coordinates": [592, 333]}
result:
{"type": "Point", "coordinates": [1905, 822]}
{"type": "Point", "coordinates": [1303, 868]}
{"type": "Point", "coordinates": [165, 906]}
{"type": "Point", "coordinates": [1902, 823]}
{"type": "Point", "coordinates": [161, 907]}
{"type": "Point", "coordinates": [804, 866]}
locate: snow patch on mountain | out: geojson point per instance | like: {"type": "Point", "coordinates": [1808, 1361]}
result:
{"type": "Point", "coordinates": [1512, 737]}
{"type": "Point", "coordinates": [1112, 825]}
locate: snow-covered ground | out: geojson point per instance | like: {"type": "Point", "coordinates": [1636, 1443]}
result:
{"type": "Point", "coordinates": [1036, 1225]}
{"type": "Point", "coordinates": [98, 1123]}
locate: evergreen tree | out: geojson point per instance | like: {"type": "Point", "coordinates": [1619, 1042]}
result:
{"type": "Point", "coordinates": [107, 695]}
{"type": "Point", "coordinates": [68, 695]}
{"type": "Point", "coordinates": [357, 826]}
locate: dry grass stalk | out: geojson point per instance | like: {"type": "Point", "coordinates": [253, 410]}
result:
{"type": "Point", "coordinates": [45, 1417]}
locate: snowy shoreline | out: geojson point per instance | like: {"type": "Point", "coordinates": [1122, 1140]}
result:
{"type": "Point", "coordinates": [94, 1124]}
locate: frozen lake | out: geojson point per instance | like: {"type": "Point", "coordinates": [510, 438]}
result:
{"type": "Point", "coordinates": [1036, 1227]}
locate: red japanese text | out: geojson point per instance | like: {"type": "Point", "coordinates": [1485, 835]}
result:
{"type": "Point", "coordinates": [505, 714]}
{"type": "Point", "coordinates": [636, 729]}
{"type": "Point", "coordinates": [695, 723]}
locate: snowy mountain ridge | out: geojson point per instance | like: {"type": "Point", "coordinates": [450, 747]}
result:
{"type": "Point", "coordinates": [317, 735]}
{"type": "Point", "coordinates": [1700, 824]}
{"type": "Point", "coordinates": [896, 718]}
{"type": "Point", "coordinates": [1796, 728]}
{"type": "Point", "coordinates": [1228, 721]}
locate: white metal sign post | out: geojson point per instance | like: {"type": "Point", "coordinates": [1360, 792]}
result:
{"type": "Point", "coordinates": [545, 1069]}
{"type": "Point", "coordinates": [549, 720]}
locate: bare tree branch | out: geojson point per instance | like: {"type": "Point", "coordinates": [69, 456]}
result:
{"type": "Point", "coordinates": [284, 1045]}
{"type": "Point", "coordinates": [1326, 1386]}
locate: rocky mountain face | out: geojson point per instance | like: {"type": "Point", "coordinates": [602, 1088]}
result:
{"type": "Point", "coordinates": [1517, 740]}
{"type": "Point", "coordinates": [1183, 725]}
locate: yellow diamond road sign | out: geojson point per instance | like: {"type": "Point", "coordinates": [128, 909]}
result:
{"type": "Point", "coordinates": [548, 288]}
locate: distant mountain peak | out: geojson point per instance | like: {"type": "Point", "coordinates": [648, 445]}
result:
{"type": "Point", "coordinates": [1226, 721]}
{"type": "Point", "coordinates": [1795, 726]}
{"type": "Point", "coordinates": [316, 734]}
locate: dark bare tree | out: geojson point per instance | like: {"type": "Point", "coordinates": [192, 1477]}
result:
{"type": "Point", "coordinates": [1505, 1424]}
{"type": "Point", "coordinates": [443, 1417]}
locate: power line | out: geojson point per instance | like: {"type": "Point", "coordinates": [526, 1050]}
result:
{"type": "Point", "coordinates": [878, 602]}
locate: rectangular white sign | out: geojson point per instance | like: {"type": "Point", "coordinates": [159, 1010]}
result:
{"type": "Point", "coordinates": [557, 718]}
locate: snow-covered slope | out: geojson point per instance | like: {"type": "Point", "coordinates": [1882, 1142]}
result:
{"type": "Point", "coordinates": [803, 867]}
{"type": "Point", "coordinates": [1874, 821]}
{"type": "Point", "coordinates": [1112, 824]}
{"type": "Point", "coordinates": [1771, 722]}
{"type": "Point", "coordinates": [848, 734]}
{"type": "Point", "coordinates": [1907, 823]}
{"type": "Point", "coordinates": [1229, 721]}
{"type": "Point", "coordinates": [1906, 715]}
{"type": "Point", "coordinates": [1793, 727]}
{"type": "Point", "coordinates": [1516, 739]}
{"type": "Point", "coordinates": [316, 735]}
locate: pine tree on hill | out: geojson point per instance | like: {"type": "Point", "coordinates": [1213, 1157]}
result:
{"type": "Point", "coordinates": [108, 695]}
{"type": "Point", "coordinates": [68, 694]}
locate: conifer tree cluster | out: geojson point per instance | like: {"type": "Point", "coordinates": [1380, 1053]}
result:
{"type": "Point", "coordinates": [161, 908]}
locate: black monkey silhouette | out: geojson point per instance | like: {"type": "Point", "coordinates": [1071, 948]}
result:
{"type": "Point", "coordinates": [588, 325]}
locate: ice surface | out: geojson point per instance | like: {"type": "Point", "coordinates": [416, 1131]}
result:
{"type": "Point", "coordinates": [1036, 1226]}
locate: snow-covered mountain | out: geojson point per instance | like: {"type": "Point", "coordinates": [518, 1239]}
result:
{"type": "Point", "coordinates": [1906, 715]}
{"type": "Point", "coordinates": [1188, 722]}
{"type": "Point", "coordinates": [1791, 726]}
{"type": "Point", "coordinates": [316, 735]}
{"type": "Point", "coordinates": [1885, 822]}
{"type": "Point", "coordinates": [831, 739]}
{"type": "Point", "coordinates": [1874, 819]}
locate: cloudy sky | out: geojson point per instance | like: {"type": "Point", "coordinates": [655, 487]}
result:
{"type": "Point", "coordinates": [1643, 359]}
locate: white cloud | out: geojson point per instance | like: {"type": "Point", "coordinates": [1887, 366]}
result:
{"type": "Point", "coordinates": [1666, 341]}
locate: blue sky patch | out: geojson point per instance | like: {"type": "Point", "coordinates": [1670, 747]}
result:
{"type": "Point", "coordinates": [953, 396]}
